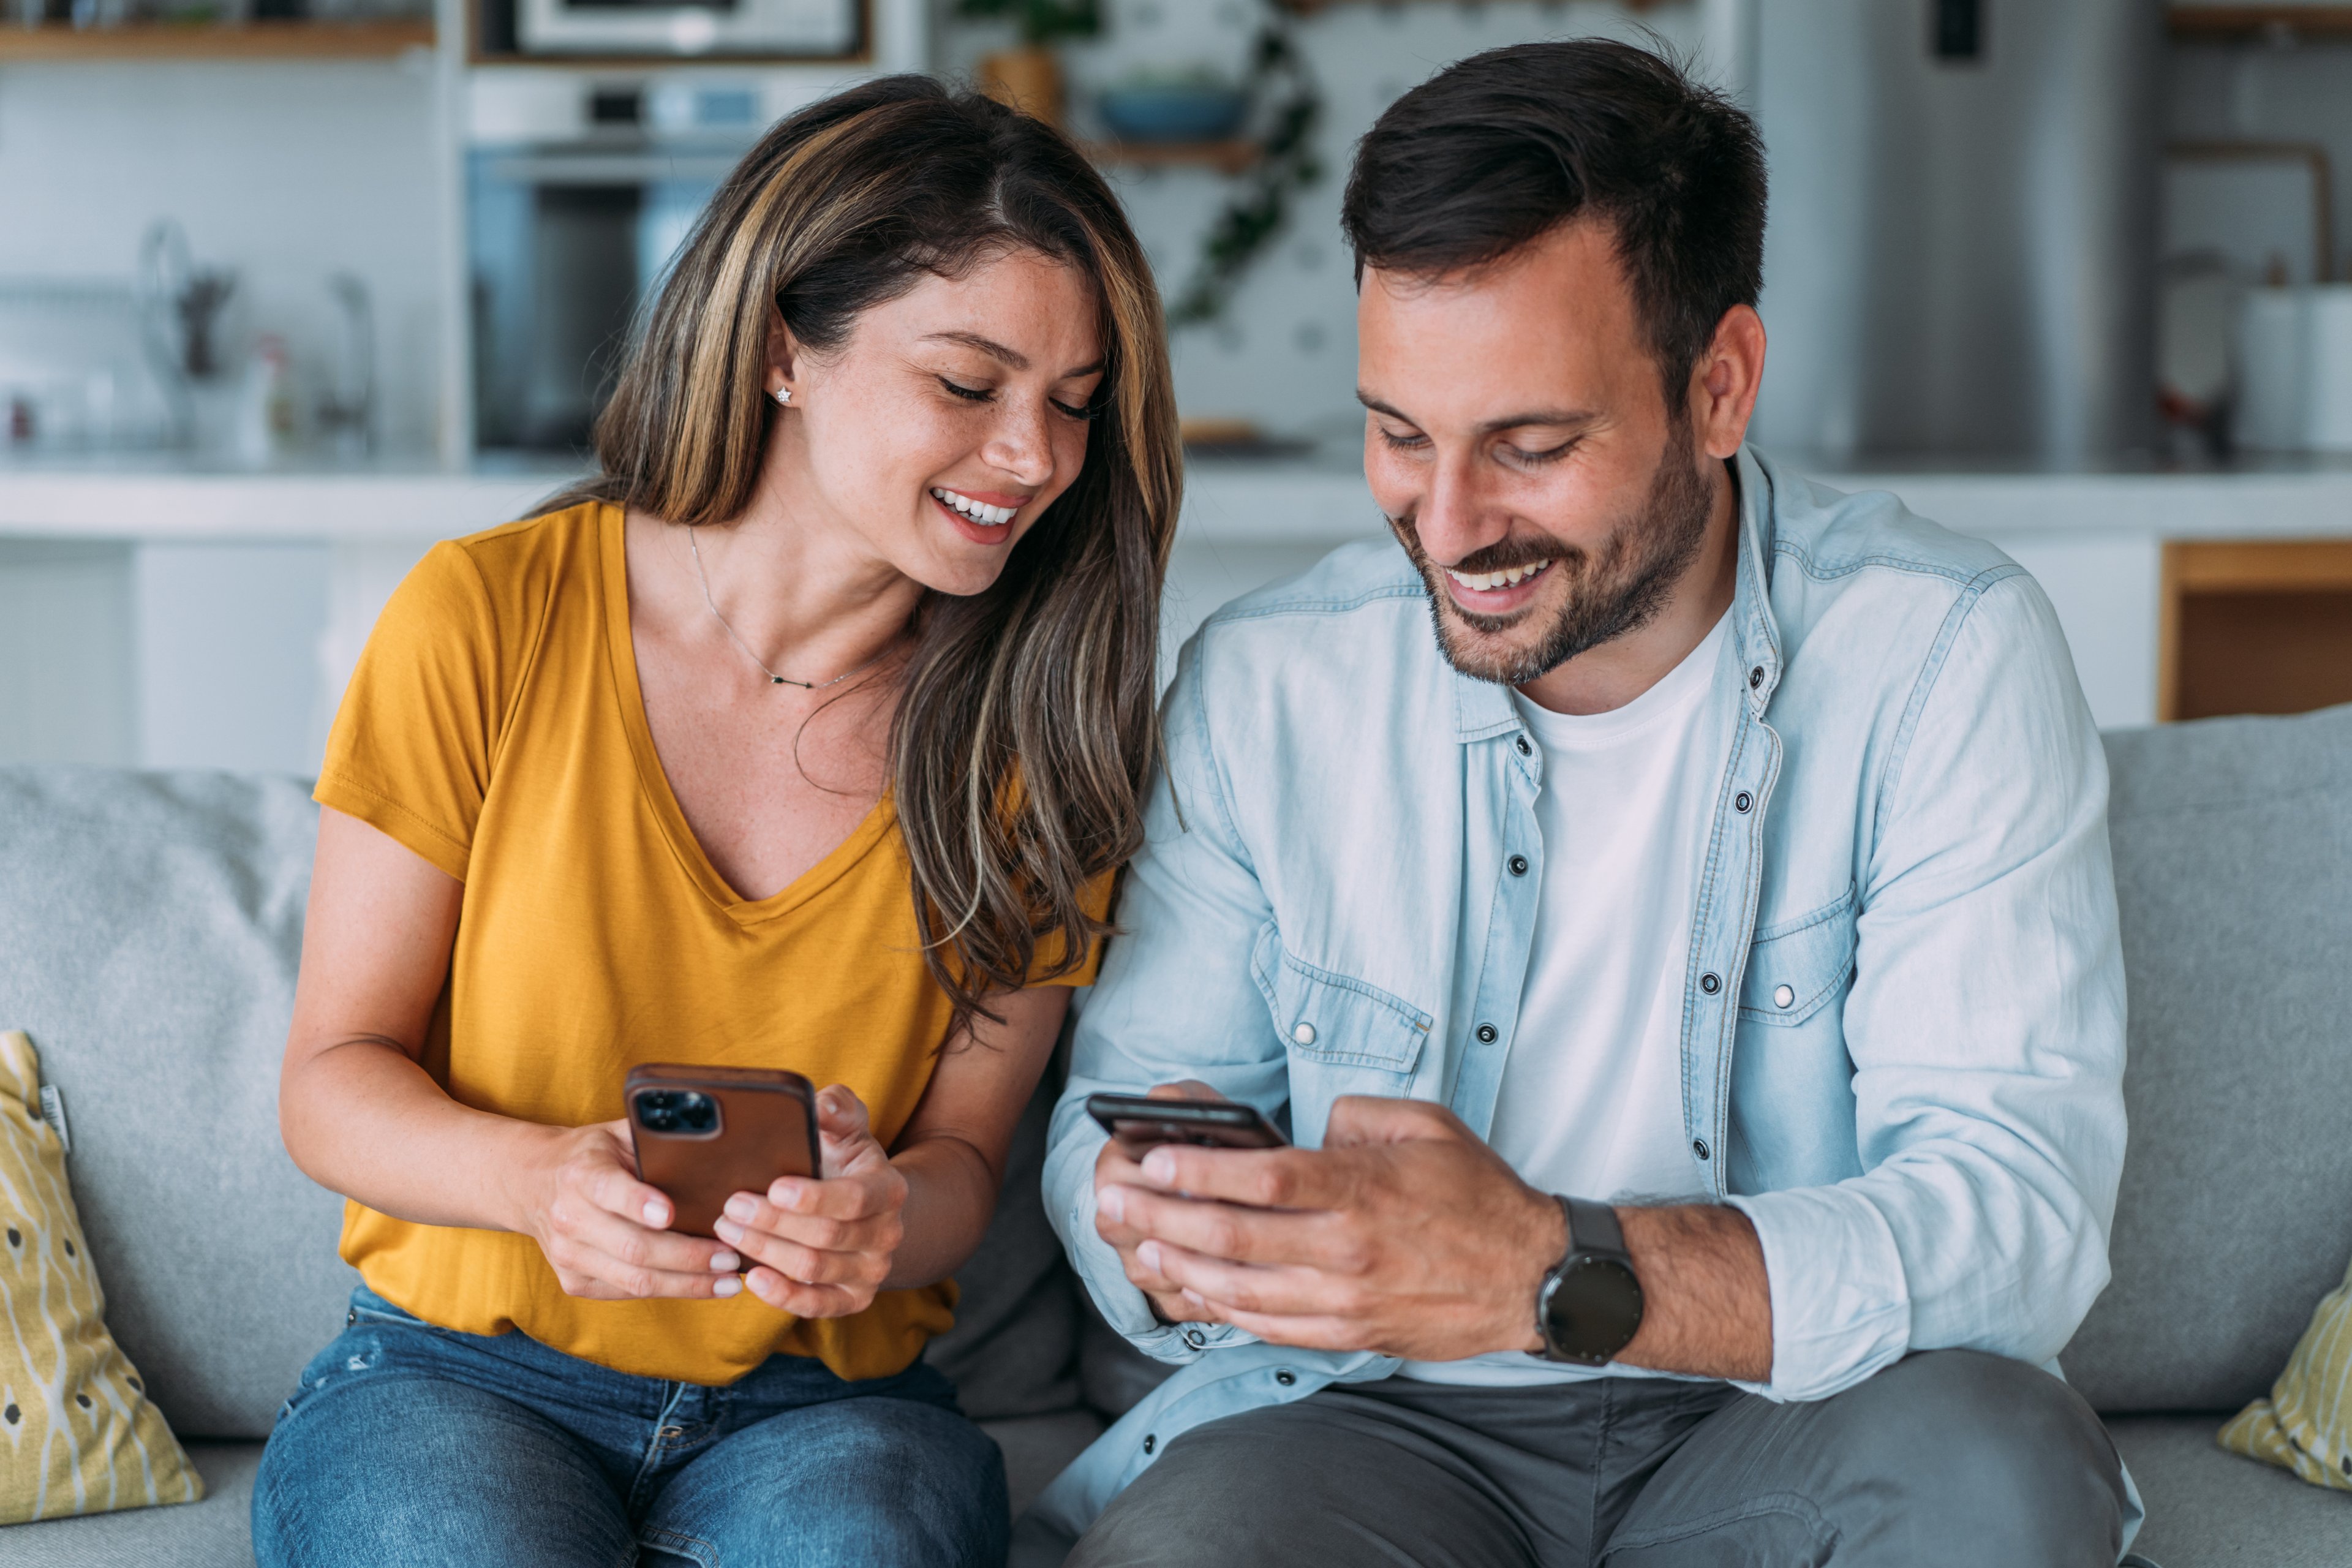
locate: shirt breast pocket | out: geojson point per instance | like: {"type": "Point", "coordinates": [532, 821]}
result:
{"type": "Point", "coordinates": [1797, 967]}
{"type": "Point", "coordinates": [1334, 1020]}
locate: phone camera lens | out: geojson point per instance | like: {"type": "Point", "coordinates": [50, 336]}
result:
{"type": "Point", "coordinates": [657, 1111]}
{"type": "Point", "coordinates": [697, 1112]}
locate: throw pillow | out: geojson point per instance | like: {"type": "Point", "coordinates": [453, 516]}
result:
{"type": "Point", "coordinates": [2305, 1426]}
{"type": "Point", "coordinates": [78, 1433]}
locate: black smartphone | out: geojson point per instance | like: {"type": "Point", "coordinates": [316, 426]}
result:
{"type": "Point", "coordinates": [1140, 1123]}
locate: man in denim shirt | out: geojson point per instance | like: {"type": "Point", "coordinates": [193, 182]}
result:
{"type": "Point", "coordinates": [1690, 977]}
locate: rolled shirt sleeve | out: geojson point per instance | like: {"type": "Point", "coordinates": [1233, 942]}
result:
{"type": "Point", "coordinates": [1175, 1000]}
{"type": "Point", "coordinates": [1986, 1029]}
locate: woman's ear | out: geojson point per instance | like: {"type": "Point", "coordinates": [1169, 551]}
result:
{"type": "Point", "coordinates": [785, 359]}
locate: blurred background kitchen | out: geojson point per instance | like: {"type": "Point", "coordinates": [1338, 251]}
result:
{"type": "Point", "coordinates": [290, 288]}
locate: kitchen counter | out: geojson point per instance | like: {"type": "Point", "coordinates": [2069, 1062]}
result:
{"type": "Point", "coordinates": [1293, 501]}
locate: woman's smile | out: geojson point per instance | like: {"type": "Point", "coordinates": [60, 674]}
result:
{"type": "Point", "coordinates": [985, 517]}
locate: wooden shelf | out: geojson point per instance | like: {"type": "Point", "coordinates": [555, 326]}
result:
{"type": "Point", "coordinates": [2255, 627]}
{"type": "Point", "coordinates": [1226, 157]}
{"type": "Point", "coordinates": [2203, 23]}
{"type": "Point", "coordinates": [216, 41]}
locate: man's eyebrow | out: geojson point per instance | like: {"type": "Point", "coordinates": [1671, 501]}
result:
{"type": "Point", "coordinates": [1490, 428]}
{"type": "Point", "coordinates": [996, 350]}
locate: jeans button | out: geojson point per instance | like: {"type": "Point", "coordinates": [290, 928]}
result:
{"type": "Point", "coordinates": [351, 1317]}
{"type": "Point", "coordinates": [1741, 801]}
{"type": "Point", "coordinates": [1698, 1147]}
{"type": "Point", "coordinates": [1710, 982]}
{"type": "Point", "coordinates": [1755, 677]}
{"type": "Point", "coordinates": [1518, 864]}
{"type": "Point", "coordinates": [1286, 1377]}
{"type": "Point", "coordinates": [1150, 1441]}
{"type": "Point", "coordinates": [1524, 747]}
{"type": "Point", "coordinates": [1486, 1035]}
{"type": "Point", "coordinates": [1784, 997]}
{"type": "Point", "coordinates": [1195, 1338]}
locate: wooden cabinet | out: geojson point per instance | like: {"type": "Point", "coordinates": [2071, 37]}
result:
{"type": "Point", "coordinates": [2255, 627]}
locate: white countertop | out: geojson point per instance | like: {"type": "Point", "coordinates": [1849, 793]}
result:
{"type": "Point", "coordinates": [1227, 500]}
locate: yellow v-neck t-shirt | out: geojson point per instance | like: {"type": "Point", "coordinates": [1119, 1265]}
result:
{"type": "Point", "coordinates": [495, 727]}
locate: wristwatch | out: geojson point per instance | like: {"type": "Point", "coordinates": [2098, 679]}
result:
{"type": "Point", "coordinates": [1590, 1305]}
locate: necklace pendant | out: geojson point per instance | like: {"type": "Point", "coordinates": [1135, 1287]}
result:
{"type": "Point", "coordinates": [778, 681]}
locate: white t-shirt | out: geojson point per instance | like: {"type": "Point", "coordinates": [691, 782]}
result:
{"type": "Point", "coordinates": [1591, 1102]}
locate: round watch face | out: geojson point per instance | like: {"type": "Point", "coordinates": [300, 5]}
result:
{"type": "Point", "coordinates": [1591, 1309]}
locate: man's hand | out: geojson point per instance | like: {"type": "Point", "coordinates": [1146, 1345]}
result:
{"type": "Point", "coordinates": [1113, 1169]}
{"type": "Point", "coordinates": [1403, 1234]}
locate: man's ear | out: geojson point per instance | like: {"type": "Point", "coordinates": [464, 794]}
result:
{"type": "Point", "coordinates": [1725, 380]}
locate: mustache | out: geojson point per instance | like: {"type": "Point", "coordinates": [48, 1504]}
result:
{"type": "Point", "coordinates": [1500, 556]}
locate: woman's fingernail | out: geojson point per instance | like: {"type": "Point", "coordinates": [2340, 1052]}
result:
{"type": "Point", "coordinates": [657, 1212]}
{"type": "Point", "coordinates": [741, 1206]}
{"type": "Point", "coordinates": [786, 1194]}
{"type": "Point", "coordinates": [1111, 1203]}
{"type": "Point", "coordinates": [1159, 1166]}
{"type": "Point", "coordinates": [728, 1232]}
{"type": "Point", "coordinates": [725, 1263]}
{"type": "Point", "coordinates": [1149, 1255]}
{"type": "Point", "coordinates": [726, 1287]}
{"type": "Point", "coordinates": [1195, 1298]}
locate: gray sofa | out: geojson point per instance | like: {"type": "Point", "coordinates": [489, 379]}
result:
{"type": "Point", "coordinates": [149, 931]}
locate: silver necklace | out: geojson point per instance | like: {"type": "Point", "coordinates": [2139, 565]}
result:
{"type": "Point", "coordinates": [704, 578]}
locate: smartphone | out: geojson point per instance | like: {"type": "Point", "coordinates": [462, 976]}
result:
{"type": "Point", "coordinates": [704, 1133]}
{"type": "Point", "coordinates": [1141, 1123]}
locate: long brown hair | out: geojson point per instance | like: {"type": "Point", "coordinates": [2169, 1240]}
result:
{"type": "Point", "coordinates": [1024, 733]}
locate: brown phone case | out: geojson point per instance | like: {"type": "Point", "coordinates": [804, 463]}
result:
{"type": "Point", "coordinates": [766, 1128]}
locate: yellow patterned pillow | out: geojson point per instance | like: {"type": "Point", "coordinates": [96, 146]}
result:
{"type": "Point", "coordinates": [2305, 1426]}
{"type": "Point", "coordinates": [78, 1433]}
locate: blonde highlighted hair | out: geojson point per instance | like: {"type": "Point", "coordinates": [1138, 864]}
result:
{"type": "Point", "coordinates": [1025, 734]}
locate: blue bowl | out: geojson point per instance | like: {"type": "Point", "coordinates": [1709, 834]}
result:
{"type": "Point", "coordinates": [1173, 113]}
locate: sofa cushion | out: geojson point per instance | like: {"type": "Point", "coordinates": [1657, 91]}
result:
{"type": "Point", "coordinates": [150, 925]}
{"type": "Point", "coordinates": [2207, 1507]}
{"type": "Point", "coordinates": [214, 1533]}
{"type": "Point", "coordinates": [2233, 866]}
{"type": "Point", "coordinates": [82, 1433]}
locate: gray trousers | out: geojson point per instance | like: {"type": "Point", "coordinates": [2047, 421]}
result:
{"type": "Point", "coordinates": [1947, 1457]}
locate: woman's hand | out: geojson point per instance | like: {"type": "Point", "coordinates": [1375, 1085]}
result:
{"type": "Point", "coordinates": [606, 1233]}
{"type": "Point", "coordinates": [822, 1248]}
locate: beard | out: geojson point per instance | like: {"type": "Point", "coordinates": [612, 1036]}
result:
{"type": "Point", "coordinates": [1610, 591]}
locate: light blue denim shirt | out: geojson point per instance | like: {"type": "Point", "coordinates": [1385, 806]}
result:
{"type": "Point", "coordinates": [1902, 1019]}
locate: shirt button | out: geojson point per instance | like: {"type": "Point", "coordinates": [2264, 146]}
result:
{"type": "Point", "coordinates": [1710, 984]}
{"type": "Point", "coordinates": [1524, 748]}
{"type": "Point", "coordinates": [1150, 1441]}
{"type": "Point", "coordinates": [351, 1317]}
{"type": "Point", "coordinates": [1741, 801]}
{"type": "Point", "coordinates": [1698, 1147]}
{"type": "Point", "coordinates": [1755, 677]}
{"type": "Point", "coordinates": [1487, 1034]}
{"type": "Point", "coordinates": [1195, 1338]}
{"type": "Point", "coordinates": [1286, 1377]}
{"type": "Point", "coordinates": [1784, 997]}
{"type": "Point", "coordinates": [1304, 1034]}
{"type": "Point", "coordinates": [1518, 865]}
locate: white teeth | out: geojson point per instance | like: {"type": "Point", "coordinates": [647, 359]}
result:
{"type": "Point", "coordinates": [1487, 581]}
{"type": "Point", "coordinates": [978, 510]}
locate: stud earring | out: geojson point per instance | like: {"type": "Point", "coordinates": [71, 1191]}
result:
{"type": "Point", "coordinates": [784, 397]}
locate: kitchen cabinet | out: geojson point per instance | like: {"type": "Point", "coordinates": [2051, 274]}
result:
{"type": "Point", "coordinates": [2256, 626]}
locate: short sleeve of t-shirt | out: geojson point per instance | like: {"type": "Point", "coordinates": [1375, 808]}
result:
{"type": "Point", "coordinates": [411, 747]}
{"type": "Point", "coordinates": [1095, 899]}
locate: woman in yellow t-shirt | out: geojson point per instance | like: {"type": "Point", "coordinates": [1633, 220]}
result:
{"type": "Point", "coordinates": [809, 735]}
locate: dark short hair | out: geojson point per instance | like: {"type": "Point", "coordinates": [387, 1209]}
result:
{"type": "Point", "coordinates": [1497, 150]}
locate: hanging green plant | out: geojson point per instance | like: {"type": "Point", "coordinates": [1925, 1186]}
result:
{"type": "Point", "coordinates": [1041, 22]}
{"type": "Point", "coordinates": [1257, 211]}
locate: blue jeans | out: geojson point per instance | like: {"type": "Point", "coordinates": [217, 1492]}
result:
{"type": "Point", "coordinates": [418, 1446]}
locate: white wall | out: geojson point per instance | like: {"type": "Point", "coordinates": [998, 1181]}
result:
{"type": "Point", "coordinates": [66, 664]}
{"type": "Point", "coordinates": [286, 172]}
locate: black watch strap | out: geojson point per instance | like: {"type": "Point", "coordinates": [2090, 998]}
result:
{"type": "Point", "coordinates": [1592, 1227]}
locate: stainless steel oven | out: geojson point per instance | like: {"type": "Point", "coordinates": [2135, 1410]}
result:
{"type": "Point", "coordinates": [568, 233]}
{"type": "Point", "coordinates": [821, 28]}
